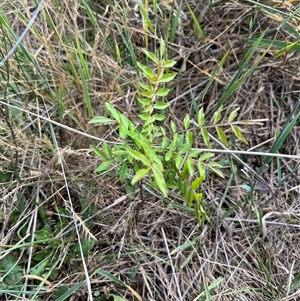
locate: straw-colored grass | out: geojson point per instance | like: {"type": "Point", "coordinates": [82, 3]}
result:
{"type": "Point", "coordinates": [67, 233]}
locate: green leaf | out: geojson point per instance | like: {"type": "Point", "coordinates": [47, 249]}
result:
{"type": "Point", "coordinates": [174, 141]}
{"type": "Point", "coordinates": [197, 213]}
{"type": "Point", "coordinates": [178, 161]}
{"type": "Point", "coordinates": [135, 137]}
{"type": "Point", "coordinates": [158, 161]}
{"type": "Point", "coordinates": [198, 196]}
{"type": "Point", "coordinates": [173, 126]}
{"type": "Point", "coordinates": [101, 119]}
{"type": "Point", "coordinates": [159, 117]}
{"type": "Point", "coordinates": [188, 195]}
{"type": "Point", "coordinates": [150, 120]}
{"type": "Point", "coordinates": [188, 169]}
{"type": "Point", "coordinates": [126, 121]}
{"type": "Point", "coordinates": [61, 291]}
{"type": "Point", "coordinates": [222, 136]}
{"type": "Point", "coordinates": [161, 105]}
{"type": "Point", "coordinates": [149, 151]}
{"type": "Point", "coordinates": [103, 166]}
{"type": "Point", "coordinates": [165, 142]}
{"type": "Point", "coordinates": [151, 56]}
{"type": "Point", "coordinates": [181, 139]}
{"type": "Point", "coordinates": [123, 171]}
{"type": "Point", "coordinates": [189, 139]}
{"type": "Point", "coordinates": [148, 110]}
{"type": "Point", "coordinates": [197, 182]}
{"type": "Point", "coordinates": [233, 115]}
{"type": "Point", "coordinates": [169, 63]}
{"type": "Point", "coordinates": [201, 169]}
{"type": "Point", "coordinates": [162, 92]}
{"type": "Point", "coordinates": [132, 129]}
{"type": "Point", "coordinates": [138, 156]}
{"type": "Point", "coordinates": [215, 164]}
{"type": "Point", "coordinates": [163, 131]}
{"type": "Point", "coordinates": [11, 268]}
{"type": "Point", "coordinates": [148, 88]}
{"type": "Point", "coordinates": [5, 177]}
{"type": "Point", "coordinates": [186, 122]}
{"type": "Point", "coordinates": [144, 101]}
{"type": "Point", "coordinates": [167, 77]}
{"type": "Point", "coordinates": [87, 246]}
{"type": "Point", "coordinates": [141, 173]}
{"type": "Point", "coordinates": [159, 179]}
{"type": "Point", "coordinates": [183, 149]}
{"type": "Point", "coordinates": [118, 298]}
{"type": "Point", "coordinates": [113, 112]}
{"type": "Point", "coordinates": [205, 137]}
{"type": "Point", "coordinates": [146, 94]}
{"type": "Point", "coordinates": [98, 152]}
{"type": "Point", "coordinates": [201, 117]}
{"type": "Point", "coordinates": [162, 48]}
{"type": "Point", "coordinates": [107, 150]}
{"type": "Point", "coordinates": [120, 152]}
{"type": "Point", "coordinates": [217, 171]}
{"type": "Point", "coordinates": [152, 79]}
{"type": "Point", "coordinates": [43, 234]}
{"type": "Point", "coordinates": [123, 131]}
{"type": "Point", "coordinates": [144, 116]}
{"type": "Point", "coordinates": [238, 134]}
{"type": "Point", "coordinates": [195, 153]}
{"type": "Point", "coordinates": [217, 115]}
{"type": "Point", "coordinates": [148, 72]}
{"type": "Point", "coordinates": [168, 155]}
{"type": "Point", "coordinates": [205, 157]}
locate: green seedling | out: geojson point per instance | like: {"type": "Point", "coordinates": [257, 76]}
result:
{"type": "Point", "coordinates": [166, 160]}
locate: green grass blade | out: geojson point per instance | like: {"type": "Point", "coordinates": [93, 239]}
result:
{"type": "Point", "coordinates": [285, 49]}
{"type": "Point", "coordinates": [90, 13]}
{"type": "Point", "coordinates": [220, 65]}
{"type": "Point", "coordinates": [112, 277]}
{"type": "Point", "coordinates": [174, 25]}
{"type": "Point", "coordinates": [124, 33]}
{"type": "Point", "coordinates": [239, 79]}
{"type": "Point", "coordinates": [144, 11]}
{"type": "Point", "coordinates": [25, 51]}
{"type": "Point", "coordinates": [276, 44]}
{"type": "Point", "coordinates": [290, 123]}
{"type": "Point", "coordinates": [70, 292]}
{"type": "Point", "coordinates": [197, 25]}
{"type": "Point", "coordinates": [85, 78]}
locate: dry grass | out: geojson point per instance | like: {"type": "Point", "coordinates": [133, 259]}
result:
{"type": "Point", "coordinates": [249, 250]}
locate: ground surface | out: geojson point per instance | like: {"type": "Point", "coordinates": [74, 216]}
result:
{"type": "Point", "coordinates": [65, 228]}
